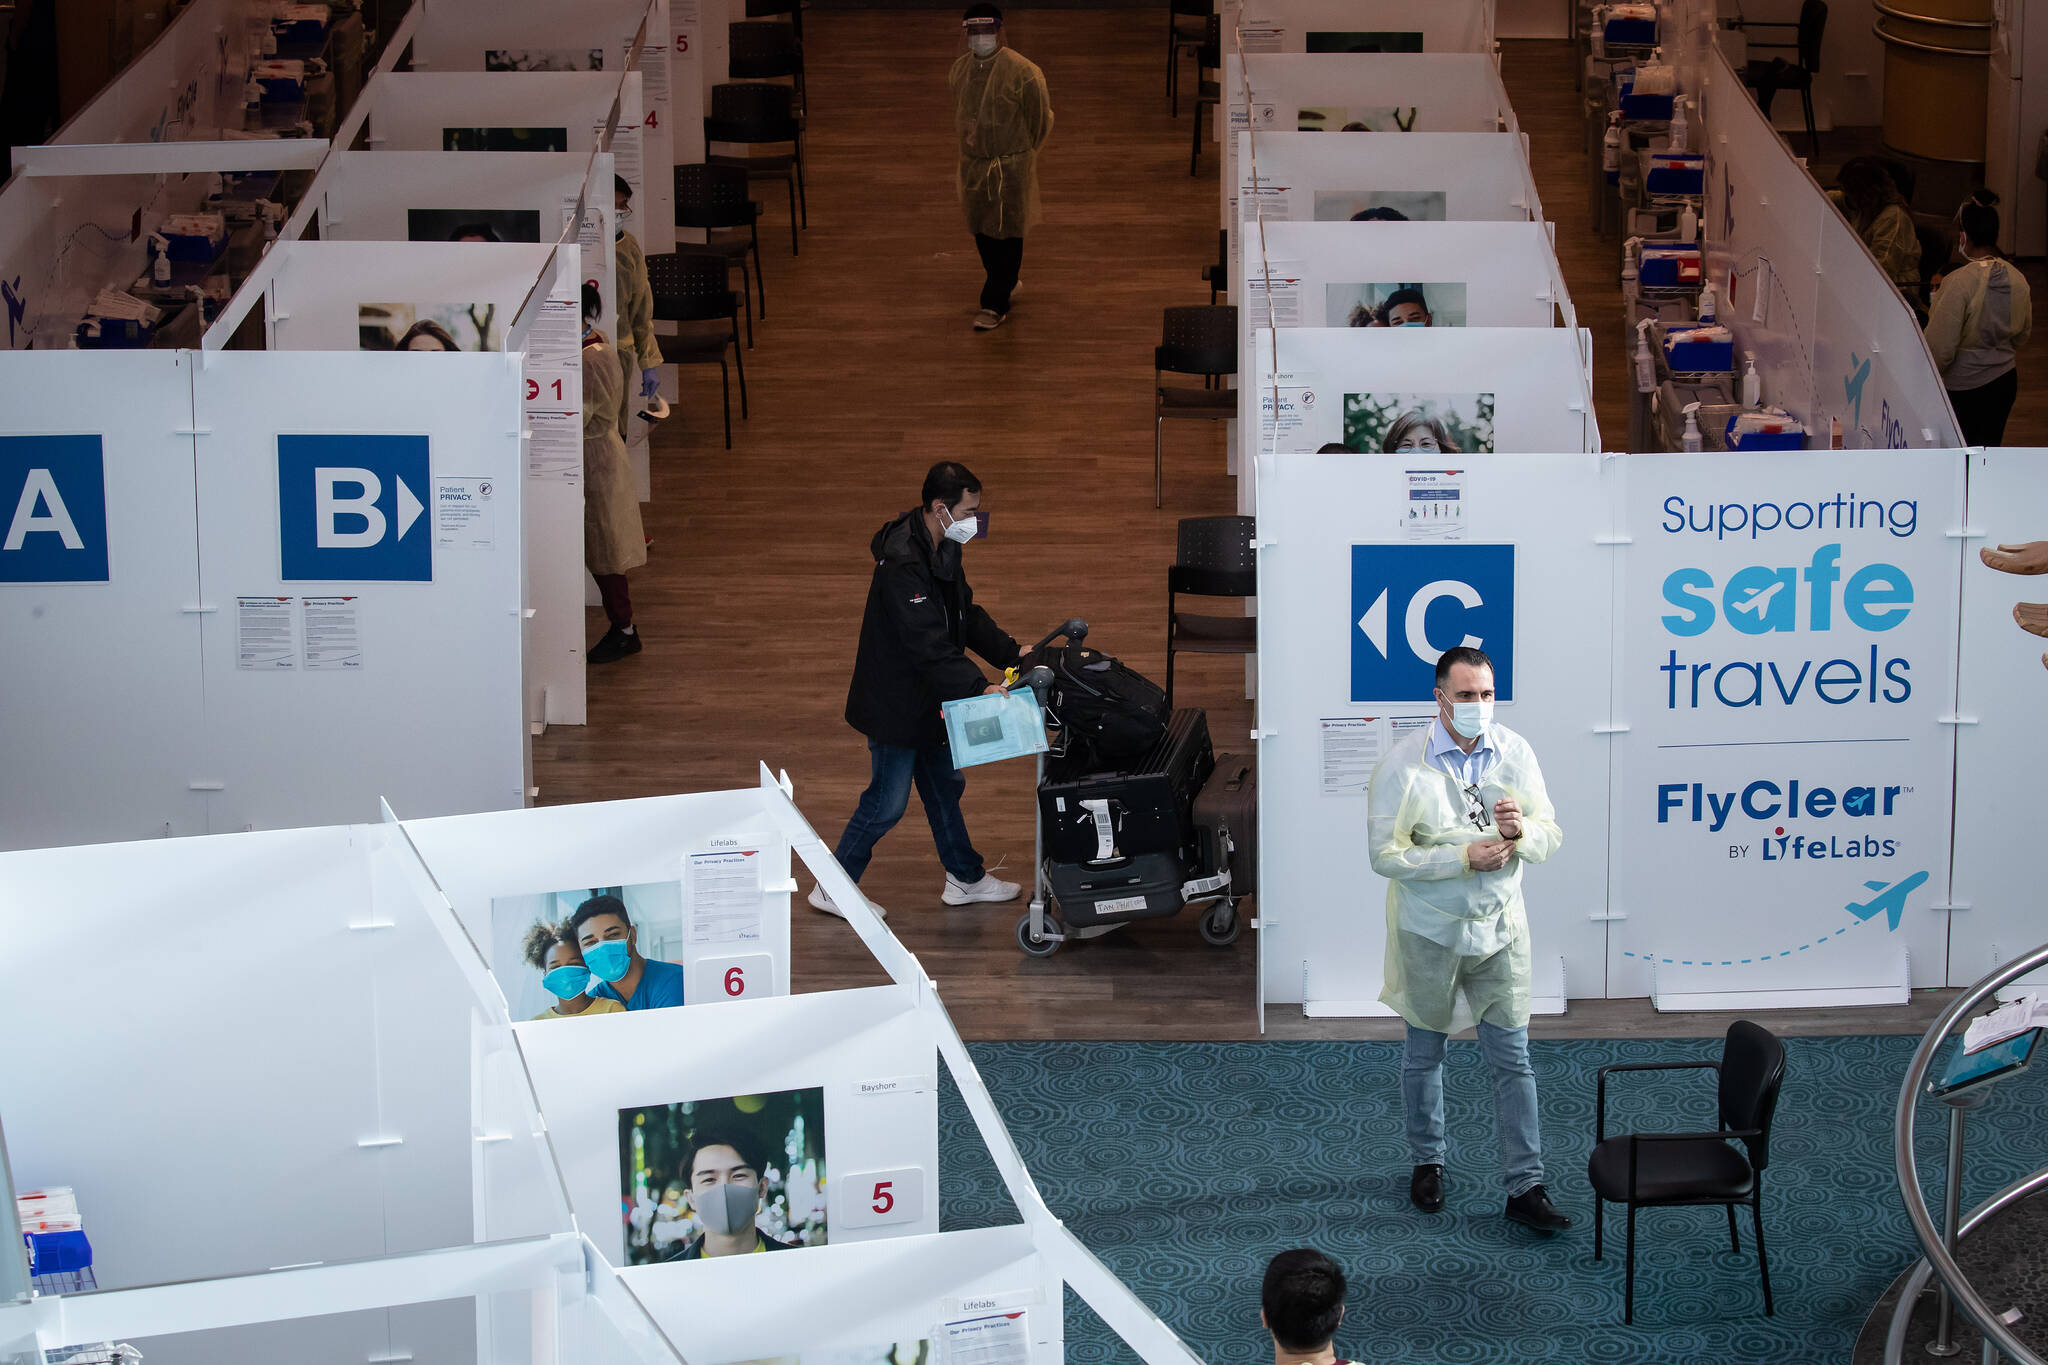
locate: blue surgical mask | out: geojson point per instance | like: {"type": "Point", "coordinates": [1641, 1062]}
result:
{"type": "Point", "coordinates": [1469, 718]}
{"type": "Point", "coordinates": [1411, 324]}
{"type": "Point", "coordinates": [566, 983]}
{"type": "Point", "coordinates": [608, 961]}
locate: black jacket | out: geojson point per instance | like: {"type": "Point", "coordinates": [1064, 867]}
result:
{"type": "Point", "coordinates": [920, 620]}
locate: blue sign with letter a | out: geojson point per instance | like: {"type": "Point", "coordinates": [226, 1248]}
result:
{"type": "Point", "coordinates": [349, 509]}
{"type": "Point", "coordinates": [53, 494]}
{"type": "Point", "coordinates": [1410, 603]}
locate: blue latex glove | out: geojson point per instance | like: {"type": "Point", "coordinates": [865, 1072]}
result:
{"type": "Point", "coordinates": [650, 383]}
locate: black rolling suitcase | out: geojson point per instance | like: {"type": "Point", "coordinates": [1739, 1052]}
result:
{"type": "Point", "coordinates": [1090, 815]}
{"type": "Point", "coordinates": [1226, 816]}
{"type": "Point", "coordinates": [1143, 886]}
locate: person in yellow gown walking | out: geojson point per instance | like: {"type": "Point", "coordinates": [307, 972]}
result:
{"type": "Point", "coordinates": [1003, 113]}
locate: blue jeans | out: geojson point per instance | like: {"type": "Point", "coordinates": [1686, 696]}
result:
{"type": "Point", "coordinates": [939, 788]}
{"type": "Point", "coordinates": [1514, 1101]}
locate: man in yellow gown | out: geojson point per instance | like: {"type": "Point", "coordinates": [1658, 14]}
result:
{"type": "Point", "coordinates": [1003, 115]}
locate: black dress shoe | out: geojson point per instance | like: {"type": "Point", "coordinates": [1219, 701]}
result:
{"type": "Point", "coordinates": [1426, 1188]}
{"type": "Point", "coordinates": [1533, 1208]}
{"type": "Point", "coordinates": [615, 645]}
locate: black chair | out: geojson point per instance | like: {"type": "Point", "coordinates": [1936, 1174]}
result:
{"type": "Point", "coordinates": [769, 9]}
{"type": "Point", "coordinates": [1218, 275]}
{"type": "Point", "coordinates": [713, 200]}
{"type": "Point", "coordinates": [1214, 559]}
{"type": "Point", "coordinates": [1650, 1170]}
{"type": "Point", "coordinates": [1208, 94]}
{"type": "Point", "coordinates": [1194, 340]}
{"type": "Point", "coordinates": [753, 114]}
{"type": "Point", "coordinates": [694, 287]}
{"type": "Point", "coordinates": [765, 50]}
{"type": "Point", "coordinates": [1180, 38]}
{"type": "Point", "coordinates": [1767, 78]}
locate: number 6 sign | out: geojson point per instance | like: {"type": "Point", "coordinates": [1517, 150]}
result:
{"type": "Point", "coordinates": [877, 1198]}
{"type": "Point", "coordinates": [732, 978]}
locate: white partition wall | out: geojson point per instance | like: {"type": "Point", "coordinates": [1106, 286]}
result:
{"type": "Point", "coordinates": [2002, 687]}
{"type": "Point", "coordinates": [1499, 389]}
{"type": "Point", "coordinates": [514, 36]}
{"type": "Point", "coordinates": [564, 111]}
{"type": "Point", "coordinates": [1359, 26]}
{"type": "Point", "coordinates": [98, 556]}
{"type": "Point", "coordinates": [1449, 92]}
{"type": "Point", "coordinates": [1352, 615]}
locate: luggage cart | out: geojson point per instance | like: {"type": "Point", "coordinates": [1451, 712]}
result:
{"type": "Point", "coordinates": [1042, 928]}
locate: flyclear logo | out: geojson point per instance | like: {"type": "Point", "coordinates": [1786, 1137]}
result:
{"type": "Point", "coordinates": [1767, 799]}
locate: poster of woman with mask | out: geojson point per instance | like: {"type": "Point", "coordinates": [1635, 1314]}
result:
{"type": "Point", "coordinates": [1419, 423]}
{"type": "Point", "coordinates": [723, 1177]}
{"type": "Point", "coordinates": [619, 946]}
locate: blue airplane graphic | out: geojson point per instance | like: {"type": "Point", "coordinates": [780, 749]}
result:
{"type": "Point", "coordinates": [1852, 386]}
{"type": "Point", "coordinates": [1891, 903]}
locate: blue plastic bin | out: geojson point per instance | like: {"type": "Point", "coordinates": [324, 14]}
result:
{"type": "Point", "coordinates": [1700, 357]}
{"type": "Point", "coordinates": [51, 1253]}
{"type": "Point", "coordinates": [1690, 178]}
{"type": "Point", "coordinates": [1631, 32]}
{"type": "Point", "coordinates": [1763, 440]}
{"type": "Point", "coordinates": [1661, 272]}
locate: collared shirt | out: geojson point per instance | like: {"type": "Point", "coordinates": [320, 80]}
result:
{"type": "Point", "coordinates": [1472, 768]}
{"type": "Point", "coordinates": [661, 986]}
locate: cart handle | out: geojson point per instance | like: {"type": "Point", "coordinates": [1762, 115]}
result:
{"type": "Point", "coordinates": [1074, 628]}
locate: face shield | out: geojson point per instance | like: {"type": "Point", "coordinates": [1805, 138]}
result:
{"type": "Point", "coordinates": [984, 36]}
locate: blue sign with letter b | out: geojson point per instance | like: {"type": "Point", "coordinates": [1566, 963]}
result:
{"type": "Point", "coordinates": [1410, 603]}
{"type": "Point", "coordinates": [53, 498]}
{"type": "Point", "coordinates": [349, 509]}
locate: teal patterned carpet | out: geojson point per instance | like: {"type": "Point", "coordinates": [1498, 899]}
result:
{"type": "Point", "coordinates": [1185, 1166]}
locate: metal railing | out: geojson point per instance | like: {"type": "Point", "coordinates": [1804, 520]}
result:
{"type": "Point", "coordinates": [1938, 1248]}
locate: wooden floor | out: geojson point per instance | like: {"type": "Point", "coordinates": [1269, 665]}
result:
{"type": "Point", "coordinates": [865, 373]}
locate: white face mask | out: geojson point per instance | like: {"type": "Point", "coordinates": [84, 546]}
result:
{"type": "Point", "coordinates": [960, 530]}
{"type": "Point", "coordinates": [1470, 718]}
{"type": "Point", "coordinates": [983, 44]}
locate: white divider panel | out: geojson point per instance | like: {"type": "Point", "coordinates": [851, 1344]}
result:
{"type": "Point", "coordinates": [1482, 177]}
{"type": "Point", "coordinates": [1359, 25]}
{"type": "Point", "coordinates": [429, 711]}
{"type": "Point", "coordinates": [367, 1159]}
{"type": "Point", "coordinates": [854, 1296]}
{"type": "Point", "coordinates": [1447, 92]}
{"type": "Point", "coordinates": [586, 1070]}
{"type": "Point", "coordinates": [714, 16]}
{"type": "Point", "coordinates": [1532, 527]}
{"type": "Point", "coordinates": [415, 108]}
{"type": "Point", "coordinates": [479, 858]}
{"type": "Point", "coordinates": [1493, 274]}
{"type": "Point", "coordinates": [1541, 400]}
{"type": "Point", "coordinates": [184, 87]}
{"type": "Point", "coordinates": [370, 196]}
{"type": "Point", "coordinates": [2003, 686]}
{"type": "Point", "coordinates": [95, 750]}
{"type": "Point", "coordinates": [455, 38]}
{"type": "Point", "coordinates": [1833, 340]}
{"type": "Point", "coordinates": [1786, 618]}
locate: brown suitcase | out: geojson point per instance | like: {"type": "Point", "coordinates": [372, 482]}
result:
{"type": "Point", "coordinates": [1227, 821]}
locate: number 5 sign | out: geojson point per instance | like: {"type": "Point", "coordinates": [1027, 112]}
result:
{"type": "Point", "coordinates": [880, 1197]}
{"type": "Point", "coordinates": [732, 978]}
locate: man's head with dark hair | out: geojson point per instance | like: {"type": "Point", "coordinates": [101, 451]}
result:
{"type": "Point", "coordinates": [717, 1148]}
{"type": "Point", "coordinates": [593, 305]}
{"type": "Point", "coordinates": [1379, 215]}
{"type": "Point", "coordinates": [1979, 223]}
{"type": "Point", "coordinates": [594, 918]}
{"type": "Point", "coordinates": [1460, 654]}
{"type": "Point", "coordinates": [475, 232]}
{"type": "Point", "coordinates": [619, 186]}
{"type": "Point", "coordinates": [1407, 307]}
{"type": "Point", "coordinates": [1334, 448]}
{"type": "Point", "coordinates": [982, 11]}
{"type": "Point", "coordinates": [946, 483]}
{"type": "Point", "coordinates": [1302, 1300]}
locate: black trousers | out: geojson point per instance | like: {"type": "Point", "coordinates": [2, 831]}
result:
{"type": "Point", "coordinates": [1002, 258]}
{"type": "Point", "coordinates": [618, 602]}
{"type": "Point", "coordinates": [1981, 412]}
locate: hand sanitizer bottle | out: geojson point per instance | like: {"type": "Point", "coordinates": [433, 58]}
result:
{"type": "Point", "coordinates": [1707, 306]}
{"type": "Point", "coordinates": [1691, 439]}
{"type": "Point", "coordinates": [1646, 366]}
{"type": "Point", "coordinates": [1752, 383]}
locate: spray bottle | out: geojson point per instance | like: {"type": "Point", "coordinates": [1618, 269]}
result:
{"type": "Point", "coordinates": [160, 269]}
{"type": "Point", "coordinates": [1679, 131]}
{"type": "Point", "coordinates": [1629, 273]}
{"type": "Point", "coordinates": [1752, 383]}
{"type": "Point", "coordinates": [1707, 305]}
{"type": "Point", "coordinates": [1610, 149]}
{"type": "Point", "coordinates": [1646, 366]}
{"type": "Point", "coordinates": [1691, 439]}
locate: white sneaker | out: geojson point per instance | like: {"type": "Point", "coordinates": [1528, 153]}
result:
{"type": "Point", "coordinates": [989, 888]}
{"type": "Point", "coordinates": [821, 900]}
{"type": "Point", "coordinates": [987, 320]}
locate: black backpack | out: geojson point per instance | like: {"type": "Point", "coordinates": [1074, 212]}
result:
{"type": "Point", "coordinates": [1109, 713]}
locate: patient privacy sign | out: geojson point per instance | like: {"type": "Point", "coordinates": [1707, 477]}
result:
{"type": "Point", "coordinates": [1787, 660]}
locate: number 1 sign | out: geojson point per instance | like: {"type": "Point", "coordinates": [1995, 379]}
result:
{"type": "Point", "coordinates": [876, 1198]}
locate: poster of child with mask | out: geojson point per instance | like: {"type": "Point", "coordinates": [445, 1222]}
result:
{"type": "Point", "coordinates": [1419, 423]}
{"type": "Point", "coordinates": [723, 1177]}
{"type": "Point", "coordinates": [628, 946]}
{"type": "Point", "coordinates": [1413, 304]}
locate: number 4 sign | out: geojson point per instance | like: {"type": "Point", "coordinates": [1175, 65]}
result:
{"type": "Point", "coordinates": [732, 978]}
{"type": "Point", "coordinates": [878, 1198]}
